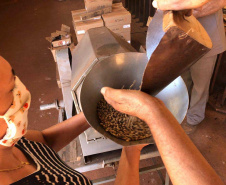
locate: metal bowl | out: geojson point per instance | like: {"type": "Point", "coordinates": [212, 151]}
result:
{"type": "Point", "coordinates": [121, 71]}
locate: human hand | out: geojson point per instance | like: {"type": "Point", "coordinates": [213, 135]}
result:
{"type": "Point", "coordinates": [178, 4]}
{"type": "Point", "coordinates": [132, 102]}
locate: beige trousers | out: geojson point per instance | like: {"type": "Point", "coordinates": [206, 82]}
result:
{"type": "Point", "coordinates": [197, 80]}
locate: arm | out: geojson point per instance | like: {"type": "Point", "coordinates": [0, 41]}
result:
{"type": "Point", "coordinates": [178, 4]}
{"type": "Point", "coordinates": [128, 171]}
{"type": "Point", "coordinates": [61, 134]}
{"type": "Point", "coordinates": [129, 163]}
{"type": "Point", "coordinates": [209, 8]}
{"type": "Point", "coordinates": [183, 161]}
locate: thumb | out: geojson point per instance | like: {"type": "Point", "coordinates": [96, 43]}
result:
{"type": "Point", "coordinates": [112, 96]}
{"type": "Point", "coordinates": [106, 91]}
{"type": "Point", "coordinates": [108, 94]}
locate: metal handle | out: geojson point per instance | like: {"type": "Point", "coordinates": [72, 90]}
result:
{"type": "Point", "coordinates": [57, 105]}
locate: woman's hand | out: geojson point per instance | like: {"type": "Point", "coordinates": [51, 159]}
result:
{"type": "Point", "coordinates": [132, 102]}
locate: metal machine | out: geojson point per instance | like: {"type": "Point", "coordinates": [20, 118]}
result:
{"type": "Point", "coordinates": [104, 59]}
{"type": "Point", "coordinates": [111, 61]}
{"type": "Point", "coordinates": [96, 45]}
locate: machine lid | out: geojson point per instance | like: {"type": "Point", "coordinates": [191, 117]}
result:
{"type": "Point", "coordinates": [96, 44]}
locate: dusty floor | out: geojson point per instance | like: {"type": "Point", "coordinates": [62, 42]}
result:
{"type": "Point", "coordinates": [24, 26]}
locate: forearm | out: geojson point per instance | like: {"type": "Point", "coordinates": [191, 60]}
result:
{"type": "Point", "coordinates": [209, 8]}
{"type": "Point", "coordinates": [61, 134]}
{"type": "Point", "coordinates": [183, 161]}
{"type": "Point", "coordinates": [128, 171]}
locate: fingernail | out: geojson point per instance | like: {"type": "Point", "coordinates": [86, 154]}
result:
{"type": "Point", "coordinates": [103, 90]}
{"type": "Point", "coordinates": [155, 4]}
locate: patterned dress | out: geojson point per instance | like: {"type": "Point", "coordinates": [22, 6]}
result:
{"type": "Point", "coordinates": [50, 168]}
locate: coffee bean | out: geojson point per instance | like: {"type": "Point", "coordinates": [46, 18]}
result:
{"type": "Point", "coordinates": [121, 125]}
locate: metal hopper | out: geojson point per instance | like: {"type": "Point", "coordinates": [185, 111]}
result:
{"type": "Point", "coordinates": [104, 59]}
{"type": "Point", "coordinates": [122, 70]}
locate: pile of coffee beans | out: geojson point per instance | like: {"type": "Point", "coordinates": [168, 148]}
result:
{"type": "Point", "coordinates": [121, 125]}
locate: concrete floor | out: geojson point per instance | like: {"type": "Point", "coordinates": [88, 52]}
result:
{"type": "Point", "coordinates": [24, 26]}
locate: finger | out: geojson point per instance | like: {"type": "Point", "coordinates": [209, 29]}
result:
{"type": "Point", "coordinates": [155, 4]}
{"type": "Point", "coordinates": [103, 90]}
{"type": "Point", "coordinates": [108, 93]}
{"type": "Point", "coordinates": [162, 5]}
{"type": "Point", "coordinates": [117, 99]}
{"type": "Point", "coordinates": [165, 5]}
{"type": "Point", "coordinates": [112, 95]}
{"type": "Point", "coordinates": [175, 5]}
